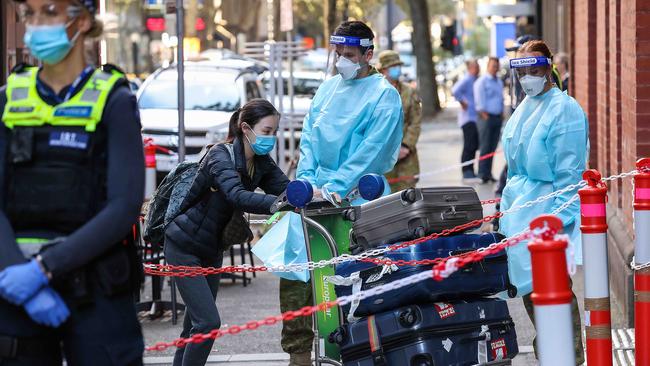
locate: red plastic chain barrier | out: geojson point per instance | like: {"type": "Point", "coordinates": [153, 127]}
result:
{"type": "Point", "coordinates": [491, 202]}
{"type": "Point", "coordinates": [148, 142]}
{"type": "Point", "coordinates": [437, 271]}
{"type": "Point", "coordinates": [446, 232]}
{"type": "Point", "coordinates": [187, 271]}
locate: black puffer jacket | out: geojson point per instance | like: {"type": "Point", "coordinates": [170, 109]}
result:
{"type": "Point", "coordinates": [219, 189]}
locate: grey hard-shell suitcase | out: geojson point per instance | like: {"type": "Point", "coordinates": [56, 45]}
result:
{"type": "Point", "coordinates": [413, 213]}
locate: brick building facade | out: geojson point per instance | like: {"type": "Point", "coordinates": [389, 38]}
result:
{"type": "Point", "coordinates": [610, 49]}
{"type": "Point", "coordinates": [12, 50]}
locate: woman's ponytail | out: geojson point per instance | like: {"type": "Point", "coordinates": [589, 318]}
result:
{"type": "Point", "coordinates": [234, 129]}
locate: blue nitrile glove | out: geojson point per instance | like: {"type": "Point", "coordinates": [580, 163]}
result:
{"type": "Point", "coordinates": [21, 281]}
{"type": "Point", "coordinates": [47, 308]}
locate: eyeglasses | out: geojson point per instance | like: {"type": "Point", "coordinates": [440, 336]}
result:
{"type": "Point", "coordinates": [49, 14]}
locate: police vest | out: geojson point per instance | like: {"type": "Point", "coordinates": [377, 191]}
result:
{"type": "Point", "coordinates": [56, 161]}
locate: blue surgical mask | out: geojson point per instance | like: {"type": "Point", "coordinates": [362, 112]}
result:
{"type": "Point", "coordinates": [49, 43]}
{"type": "Point", "coordinates": [262, 145]}
{"type": "Point", "coordinates": [395, 72]}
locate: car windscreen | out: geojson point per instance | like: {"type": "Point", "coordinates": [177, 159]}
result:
{"type": "Point", "coordinates": [204, 90]}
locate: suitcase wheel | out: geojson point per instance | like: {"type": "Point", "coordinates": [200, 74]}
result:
{"type": "Point", "coordinates": [419, 232]}
{"type": "Point", "coordinates": [350, 215]}
{"type": "Point", "coordinates": [408, 318]}
{"type": "Point", "coordinates": [422, 359]}
{"type": "Point", "coordinates": [512, 291]}
{"type": "Point", "coordinates": [409, 195]}
{"type": "Point", "coordinates": [338, 336]}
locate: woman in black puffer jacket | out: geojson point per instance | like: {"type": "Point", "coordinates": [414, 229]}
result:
{"type": "Point", "coordinates": [221, 187]}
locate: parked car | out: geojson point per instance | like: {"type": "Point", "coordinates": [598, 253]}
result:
{"type": "Point", "coordinates": [213, 91]}
{"type": "Point", "coordinates": [305, 85]}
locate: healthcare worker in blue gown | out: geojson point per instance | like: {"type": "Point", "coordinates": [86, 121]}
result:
{"type": "Point", "coordinates": [353, 128]}
{"type": "Point", "coordinates": [546, 144]}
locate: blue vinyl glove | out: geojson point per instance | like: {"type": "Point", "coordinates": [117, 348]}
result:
{"type": "Point", "coordinates": [21, 281]}
{"type": "Point", "coordinates": [47, 308]}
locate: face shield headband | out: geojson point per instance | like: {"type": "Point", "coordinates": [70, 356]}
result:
{"type": "Point", "coordinates": [517, 63]}
{"type": "Point", "coordinates": [364, 44]}
{"type": "Point", "coordinates": [528, 77]}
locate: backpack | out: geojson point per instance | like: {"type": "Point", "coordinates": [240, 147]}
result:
{"type": "Point", "coordinates": [169, 199]}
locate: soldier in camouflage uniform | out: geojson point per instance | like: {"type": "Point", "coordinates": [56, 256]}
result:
{"type": "Point", "coordinates": [408, 164]}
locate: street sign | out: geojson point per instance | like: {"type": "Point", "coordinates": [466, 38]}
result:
{"type": "Point", "coordinates": [286, 15]}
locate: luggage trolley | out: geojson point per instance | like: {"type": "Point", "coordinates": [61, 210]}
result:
{"type": "Point", "coordinates": [327, 235]}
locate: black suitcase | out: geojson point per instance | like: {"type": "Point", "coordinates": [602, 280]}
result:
{"type": "Point", "coordinates": [459, 333]}
{"type": "Point", "coordinates": [412, 214]}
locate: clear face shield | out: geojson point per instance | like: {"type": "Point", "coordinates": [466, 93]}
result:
{"type": "Point", "coordinates": [529, 77]}
{"type": "Point", "coordinates": [48, 14]}
{"type": "Point", "coordinates": [346, 56]}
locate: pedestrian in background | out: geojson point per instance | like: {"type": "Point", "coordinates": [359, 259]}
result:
{"type": "Point", "coordinates": [463, 91]}
{"type": "Point", "coordinates": [488, 95]}
{"type": "Point", "coordinates": [408, 163]}
{"type": "Point", "coordinates": [561, 62]}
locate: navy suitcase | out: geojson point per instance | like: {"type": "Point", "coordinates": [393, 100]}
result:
{"type": "Point", "coordinates": [484, 278]}
{"type": "Point", "coordinates": [460, 333]}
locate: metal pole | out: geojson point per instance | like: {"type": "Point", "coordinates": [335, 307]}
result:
{"type": "Point", "coordinates": [551, 294]}
{"type": "Point", "coordinates": [279, 55]}
{"type": "Point", "coordinates": [180, 31]}
{"type": "Point", "coordinates": [312, 281]}
{"type": "Point", "coordinates": [593, 224]}
{"type": "Point", "coordinates": [389, 22]}
{"type": "Point", "coordinates": [292, 141]}
{"type": "Point", "coordinates": [641, 257]}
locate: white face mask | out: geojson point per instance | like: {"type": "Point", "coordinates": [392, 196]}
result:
{"type": "Point", "coordinates": [347, 68]}
{"type": "Point", "coordinates": [532, 85]}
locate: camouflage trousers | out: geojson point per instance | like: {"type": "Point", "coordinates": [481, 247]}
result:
{"type": "Point", "coordinates": [577, 326]}
{"type": "Point", "coordinates": [297, 334]}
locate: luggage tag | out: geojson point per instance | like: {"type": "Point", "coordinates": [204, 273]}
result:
{"type": "Point", "coordinates": [21, 147]}
{"type": "Point", "coordinates": [356, 282]}
{"type": "Point", "coordinates": [482, 345]}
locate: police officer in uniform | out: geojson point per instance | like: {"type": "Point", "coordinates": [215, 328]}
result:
{"type": "Point", "coordinates": [72, 183]}
{"type": "Point", "coordinates": [408, 164]}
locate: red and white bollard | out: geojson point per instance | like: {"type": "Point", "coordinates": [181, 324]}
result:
{"type": "Point", "coordinates": [641, 257]}
{"type": "Point", "coordinates": [598, 320]}
{"type": "Point", "coordinates": [551, 294]}
{"type": "Point", "coordinates": [150, 168]}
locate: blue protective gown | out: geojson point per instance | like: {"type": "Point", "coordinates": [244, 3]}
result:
{"type": "Point", "coordinates": [546, 145]}
{"type": "Point", "coordinates": [353, 128]}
